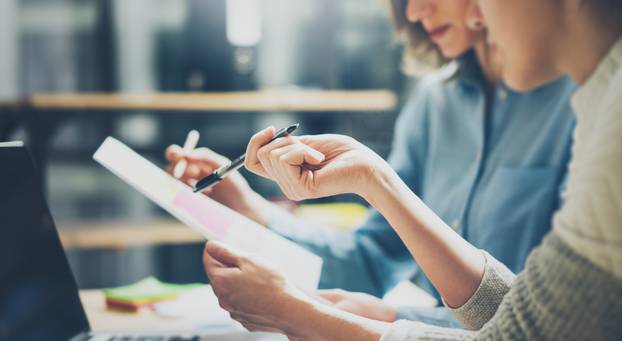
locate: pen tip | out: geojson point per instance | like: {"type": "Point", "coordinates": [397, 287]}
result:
{"type": "Point", "coordinates": [292, 127]}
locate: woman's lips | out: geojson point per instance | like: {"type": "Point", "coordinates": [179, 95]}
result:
{"type": "Point", "coordinates": [438, 32]}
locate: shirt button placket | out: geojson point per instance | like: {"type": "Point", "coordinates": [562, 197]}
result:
{"type": "Point", "coordinates": [455, 224]}
{"type": "Point", "coordinates": [502, 94]}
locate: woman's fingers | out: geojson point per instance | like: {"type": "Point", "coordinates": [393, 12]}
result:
{"type": "Point", "coordinates": [294, 168]}
{"type": "Point", "coordinates": [222, 276]}
{"type": "Point", "coordinates": [301, 154]}
{"type": "Point", "coordinates": [269, 152]}
{"type": "Point", "coordinates": [258, 140]}
{"type": "Point", "coordinates": [270, 158]}
{"type": "Point", "coordinates": [173, 153]}
{"type": "Point", "coordinates": [222, 254]}
{"type": "Point", "coordinates": [177, 162]}
{"type": "Point", "coordinates": [285, 161]}
{"type": "Point", "coordinates": [212, 266]}
{"type": "Point", "coordinates": [191, 166]}
{"type": "Point", "coordinates": [331, 295]}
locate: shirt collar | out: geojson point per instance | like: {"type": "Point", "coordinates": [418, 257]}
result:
{"type": "Point", "coordinates": [469, 73]}
{"type": "Point", "coordinates": [595, 87]}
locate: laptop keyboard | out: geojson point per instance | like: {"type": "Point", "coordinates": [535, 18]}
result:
{"type": "Point", "coordinates": [154, 338]}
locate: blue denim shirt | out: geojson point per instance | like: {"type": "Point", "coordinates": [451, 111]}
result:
{"type": "Point", "coordinates": [493, 175]}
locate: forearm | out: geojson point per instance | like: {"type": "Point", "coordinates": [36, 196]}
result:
{"type": "Point", "coordinates": [370, 259]}
{"type": "Point", "coordinates": [311, 320]}
{"type": "Point", "coordinates": [453, 265]}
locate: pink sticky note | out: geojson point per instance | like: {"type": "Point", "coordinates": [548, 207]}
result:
{"type": "Point", "coordinates": [210, 217]}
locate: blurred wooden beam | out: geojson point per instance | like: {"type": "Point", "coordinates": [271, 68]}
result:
{"type": "Point", "coordinates": [121, 235]}
{"type": "Point", "coordinates": [245, 101]}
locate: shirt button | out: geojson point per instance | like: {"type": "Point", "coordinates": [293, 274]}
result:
{"type": "Point", "coordinates": [478, 157]}
{"type": "Point", "coordinates": [455, 224]}
{"type": "Point", "coordinates": [503, 94]}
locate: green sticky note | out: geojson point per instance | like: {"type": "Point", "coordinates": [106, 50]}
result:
{"type": "Point", "coordinates": [146, 291]}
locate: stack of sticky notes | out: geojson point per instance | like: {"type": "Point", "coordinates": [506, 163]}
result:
{"type": "Point", "coordinates": [144, 294]}
{"type": "Point", "coordinates": [342, 215]}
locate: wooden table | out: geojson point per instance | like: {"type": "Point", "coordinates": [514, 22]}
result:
{"type": "Point", "coordinates": [102, 319]}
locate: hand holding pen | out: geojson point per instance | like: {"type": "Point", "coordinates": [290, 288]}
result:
{"type": "Point", "coordinates": [233, 192]}
{"type": "Point", "coordinates": [234, 165]}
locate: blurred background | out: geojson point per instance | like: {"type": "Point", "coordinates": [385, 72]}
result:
{"type": "Point", "coordinates": [255, 48]}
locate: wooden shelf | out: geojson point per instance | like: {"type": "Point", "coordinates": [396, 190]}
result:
{"type": "Point", "coordinates": [251, 101]}
{"type": "Point", "coordinates": [121, 235]}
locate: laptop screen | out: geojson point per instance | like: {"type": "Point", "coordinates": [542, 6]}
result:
{"type": "Point", "coordinates": [38, 295]}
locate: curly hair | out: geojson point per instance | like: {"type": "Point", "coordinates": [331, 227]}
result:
{"type": "Point", "coordinates": [421, 55]}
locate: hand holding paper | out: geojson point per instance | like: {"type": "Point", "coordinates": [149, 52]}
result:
{"type": "Point", "coordinates": [252, 291]}
{"type": "Point", "coordinates": [213, 220]}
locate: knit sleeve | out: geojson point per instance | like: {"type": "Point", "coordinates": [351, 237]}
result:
{"type": "Point", "coordinates": [560, 296]}
{"type": "Point", "coordinates": [473, 314]}
{"type": "Point", "coordinates": [480, 308]}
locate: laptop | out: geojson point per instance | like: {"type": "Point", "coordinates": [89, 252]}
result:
{"type": "Point", "coordinates": [38, 295]}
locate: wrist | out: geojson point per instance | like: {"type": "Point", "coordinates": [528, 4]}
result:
{"type": "Point", "coordinates": [381, 180]}
{"type": "Point", "coordinates": [297, 314]}
{"type": "Point", "coordinates": [313, 320]}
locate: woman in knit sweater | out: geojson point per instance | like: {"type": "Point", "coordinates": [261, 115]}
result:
{"type": "Point", "coordinates": [571, 287]}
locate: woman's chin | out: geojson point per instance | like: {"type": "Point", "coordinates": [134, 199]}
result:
{"type": "Point", "coordinates": [452, 53]}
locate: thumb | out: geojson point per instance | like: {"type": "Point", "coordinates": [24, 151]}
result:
{"type": "Point", "coordinates": [222, 254]}
{"type": "Point", "coordinates": [258, 140]}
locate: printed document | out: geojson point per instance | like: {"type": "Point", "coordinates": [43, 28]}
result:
{"type": "Point", "coordinates": [208, 217]}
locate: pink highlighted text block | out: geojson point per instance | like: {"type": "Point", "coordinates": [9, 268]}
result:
{"type": "Point", "coordinates": [211, 218]}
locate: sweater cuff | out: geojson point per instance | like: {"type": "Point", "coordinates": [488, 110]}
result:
{"type": "Point", "coordinates": [403, 330]}
{"type": "Point", "coordinates": [481, 307]}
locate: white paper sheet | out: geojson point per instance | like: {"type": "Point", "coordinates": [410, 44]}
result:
{"type": "Point", "coordinates": [208, 217]}
{"type": "Point", "coordinates": [199, 305]}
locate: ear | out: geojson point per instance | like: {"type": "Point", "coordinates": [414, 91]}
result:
{"type": "Point", "coordinates": [473, 17]}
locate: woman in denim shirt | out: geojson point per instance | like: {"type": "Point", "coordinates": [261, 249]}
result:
{"type": "Point", "coordinates": [489, 160]}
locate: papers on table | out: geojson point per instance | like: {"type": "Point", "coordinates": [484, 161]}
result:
{"type": "Point", "coordinates": [208, 217]}
{"type": "Point", "coordinates": [200, 306]}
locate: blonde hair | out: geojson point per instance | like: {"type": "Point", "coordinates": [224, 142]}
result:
{"type": "Point", "coordinates": [421, 55]}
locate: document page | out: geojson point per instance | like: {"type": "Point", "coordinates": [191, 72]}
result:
{"type": "Point", "coordinates": [208, 217]}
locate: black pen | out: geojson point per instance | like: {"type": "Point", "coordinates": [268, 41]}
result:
{"type": "Point", "coordinates": [234, 165]}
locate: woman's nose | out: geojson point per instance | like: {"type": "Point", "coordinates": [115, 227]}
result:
{"type": "Point", "coordinates": [417, 10]}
